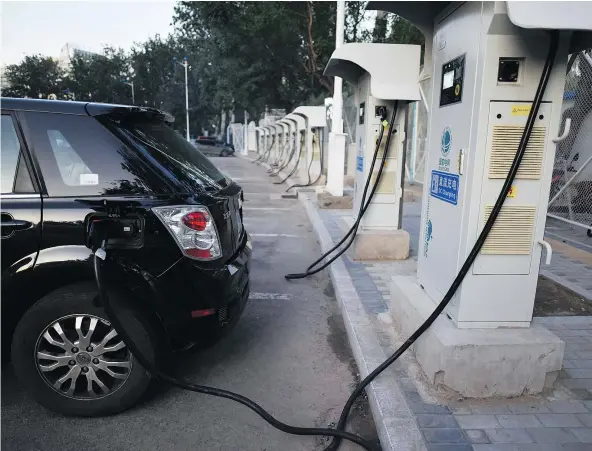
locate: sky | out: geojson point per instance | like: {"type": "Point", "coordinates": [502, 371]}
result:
{"type": "Point", "coordinates": [45, 26]}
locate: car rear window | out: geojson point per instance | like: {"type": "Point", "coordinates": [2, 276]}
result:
{"type": "Point", "coordinates": [80, 157]}
{"type": "Point", "coordinates": [167, 149]}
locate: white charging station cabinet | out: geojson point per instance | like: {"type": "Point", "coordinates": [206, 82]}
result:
{"type": "Point", "coordinates": [315, 122]}
{"type": "Point", "coordinates": [381, 74]}
{"type": "Point", "coordinates": [482, 94]}
{"type": "Point", "coordinates": [485, 61]}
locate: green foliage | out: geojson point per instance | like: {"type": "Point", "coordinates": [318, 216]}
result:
{"type": "Point", "coordinates": [242, 56]}
{"type": "Point", "coordinates": [36, 77]}
{"type": "Point", "coordinates": [261, 53]}
{"type": "Point", "coordinates": [98, 78]}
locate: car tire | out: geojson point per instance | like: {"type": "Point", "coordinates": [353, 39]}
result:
{"type": "Point", "coordinates": [224, 153]}
{"type": "Point", "coordinates": [64, 307]}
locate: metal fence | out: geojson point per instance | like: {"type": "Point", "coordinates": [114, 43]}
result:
{"type": "Point", "coordinates": [570, 198]}
{"type": "Point", "coordinates": [417, 135]}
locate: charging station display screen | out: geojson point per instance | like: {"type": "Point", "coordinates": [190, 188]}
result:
{"type": "Point", "coordinates": [453, 73]}
{"type": "Point", "coordinates": [448, 80]}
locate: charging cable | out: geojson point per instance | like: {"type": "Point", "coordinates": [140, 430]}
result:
{"type": "Point", "coordinates": [99, 232]}
{"type": "Point", "coordinates": [476, 247]}
{"type": "Point", "coordinates": [310, 166]}
{"type": "Point", "coordinates": [101, 228]}
{"type": "Point", "coordinates": [363, 204]}
{"type": "Point", "coordinates": [295, 166]}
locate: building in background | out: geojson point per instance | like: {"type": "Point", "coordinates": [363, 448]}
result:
{"type": "Point", "coordinates": [71, 50]}
{"type": "Point", "coordinates": [3, 81]}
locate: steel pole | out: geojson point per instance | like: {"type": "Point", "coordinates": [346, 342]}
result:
{"type": "Point", "coordinates": [186, 97]}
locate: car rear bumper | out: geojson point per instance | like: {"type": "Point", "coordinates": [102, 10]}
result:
{"type": "Point", "coordinates": [189, 288]}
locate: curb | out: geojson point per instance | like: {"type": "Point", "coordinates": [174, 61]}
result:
{"type": "Point", "coordinates": [586, 294]}
{"type": "Point", "coordinates": [396, 425]}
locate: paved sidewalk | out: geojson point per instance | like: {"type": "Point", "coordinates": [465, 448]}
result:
{"type": "Point", "coordinates": [559, 421]}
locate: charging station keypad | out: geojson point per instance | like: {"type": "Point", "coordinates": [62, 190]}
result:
{"type": "Point", "coordinates": [453, 74]}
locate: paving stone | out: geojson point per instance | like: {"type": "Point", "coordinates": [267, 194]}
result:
{"type": "Point", "coordinates": [577, 383]}
{"type": "Point", "coordinates": [583, 394]}
{"type": "Point", "coordinates": [461, 409]}
{"type": "Point", "coordinates": [576, 340]}
{"type": "Point", "coordinates": [519, 421]}
{"type": "Point", "coordinates": [559, 420]}
{"type": "Point", "coordinates": [529, 408]}
{"type": "Point", "coordinates": [567, 406]}
{"type": "Point", "coordinates": [444, 435]}
{"type": "Point", "coordinates": [569, 364]}
{"type": "Point", "coordinates": [508, 435]}
{"type": "Point", "coordinates": [588, 405]}
{"type": "Point", "coordinates": [476, 436]}
{"type": "Point", "coordinates": [583, 354]}
{"type": "Point", "coordinates": [540, 447]}
{"type": "Point", "coordinates": [448, 447]}
{"type": "Point", "coordinates": [551, 435]}
{"type": "Point", "coordinates": [496, 447]}
{"type": "Point", "coordinates": [576, 447]}
{"type": "Point", "coordinates": [491, 410]}
{"type": "Point", "coordinates": [421, 407]}
{"type": "Point", "coordinates": [585, 418]}
{"type": "Point", "coordinates": [477, 421]}
{"type": "Point", "coordinates": [580, 373]}
{"type": "Point", "coordinates": [436, 421]}
{"type": "Point", "coordinates": [583, 435]}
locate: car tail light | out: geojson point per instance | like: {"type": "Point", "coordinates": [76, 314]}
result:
{"type": "Point", "coordinates": [193, 229]}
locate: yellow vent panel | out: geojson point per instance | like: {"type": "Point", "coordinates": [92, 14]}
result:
{"type": "Point", "coordinates": [512, 232]}
{"type": "Point", "coordinates": [387, 182]}
{"type": "Point", "coordinates": [504, 145]}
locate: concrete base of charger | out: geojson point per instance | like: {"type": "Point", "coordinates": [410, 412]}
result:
{"type": "Point", "coordinates": [377, 244]}
{"type": "Point", "coordinates": [476, 363]}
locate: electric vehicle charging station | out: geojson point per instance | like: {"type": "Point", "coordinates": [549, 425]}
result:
{"type": "Point", "coordinates": [315, 122]}
{"type": "Point", "coordinates": [276, 131]}
{"type": "Point", "coordinates": [384, 75]}
{"type": "Point", "coordinates": [298, 136]}
{"type": "Point", "coordinates": [486, 60]}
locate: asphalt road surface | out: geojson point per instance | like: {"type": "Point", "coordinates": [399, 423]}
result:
{"type": "Point", "coordinates": [289, 353]}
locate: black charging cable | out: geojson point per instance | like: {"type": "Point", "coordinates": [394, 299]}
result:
{"type": "Point", "coordinates": [309, 167]}
{"type": "Point", "coordinates": [294, 168]}
{"type": "Point", "coordinates": [99, 231]}
{"type": "Point", "coordinates": [267, 153]}
{"type": "Point", "coordinates": [363, 204]}
{"type": "Point", "coordinates": [286, 162]}
{"type": "Point", "coordinates": [538, 98]}
{"type": "Point", "coordinates": [339, 433]}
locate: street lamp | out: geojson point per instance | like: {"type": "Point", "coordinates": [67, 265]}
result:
{"type": "Point", "coordinates": [185, 65]}
{"type": "Point", "coordinates": [130, 83]}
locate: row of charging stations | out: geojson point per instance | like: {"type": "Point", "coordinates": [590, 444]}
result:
{"type": "Point", "coordinates": [294, 141]}
{"type": "Point", "coordinates": [485, 60]}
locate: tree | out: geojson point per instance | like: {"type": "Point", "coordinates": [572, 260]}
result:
{"type": "Point", "coordinates": [36, 76]}
{"type": "Point", "coordinates": [260, 53]}
{"type": "Point", "coordinates": [99, 77]}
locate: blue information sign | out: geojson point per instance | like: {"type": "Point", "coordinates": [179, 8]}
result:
{"type": "Point", "coordinates": [445, 187]}
{"type": "Point", "coordinates": [360, 163]}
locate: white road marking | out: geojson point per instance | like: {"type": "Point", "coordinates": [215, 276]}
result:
{"type": "Point", "coordinates": [245, 207]}
{"type": "Point", "coordinates": [282, 235]}
{"type": "Point", "coordinates": [272, 296]}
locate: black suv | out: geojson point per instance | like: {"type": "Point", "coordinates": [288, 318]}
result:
{"type": "Point", "coordinates": [187, 284]}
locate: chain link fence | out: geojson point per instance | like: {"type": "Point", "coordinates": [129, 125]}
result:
{"type": "Point", "coordinates": [570, 198]}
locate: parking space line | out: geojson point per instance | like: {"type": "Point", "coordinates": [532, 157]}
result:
{"type": "Point", "coordinates": [265, 208]}
{"type": "Point", "coordinates": [271, 296]}
{"type": "Point", "coordinates": [272, 235]}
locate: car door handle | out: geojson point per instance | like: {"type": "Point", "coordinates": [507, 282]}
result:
{"type": "Point", "coordinates": [15, 224]}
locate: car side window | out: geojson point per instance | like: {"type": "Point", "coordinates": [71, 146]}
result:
{"type": "Point", "coordinates": [10, 149]}
{"type": "Point", "coordinates": [78, 156]}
